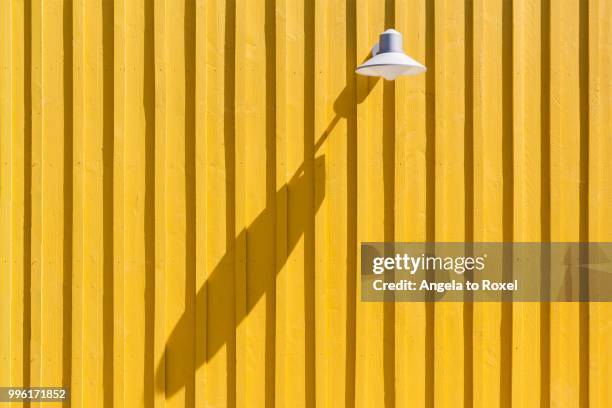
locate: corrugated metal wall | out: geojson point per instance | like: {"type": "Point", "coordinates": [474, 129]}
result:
{"type": "Point", "coordinates": [185, 184]}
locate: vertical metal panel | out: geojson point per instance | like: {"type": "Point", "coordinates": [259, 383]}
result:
{"type": "Point", "coordinates": [529, 216]}
{"type": "Point", "coordinates": [413, 170]}
{"type": "Point", "coordinates": [566, 204]}
{"type": "Point", "coordinates": [370, 373]}
{"type": "Point", "coordinates": [184, 186]}
{"type": "Point", "coordinates": [600, 191]}
{"type": "Point", "coordinates": [450, 319]}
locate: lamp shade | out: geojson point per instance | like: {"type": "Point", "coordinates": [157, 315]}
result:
{"type": "Point", "coordinates": [389, 60]}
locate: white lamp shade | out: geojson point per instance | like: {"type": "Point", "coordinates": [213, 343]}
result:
{"type": "Point", "coordinates": [389, 60]}
{"type": "Point", "coordinates": [390, 65]}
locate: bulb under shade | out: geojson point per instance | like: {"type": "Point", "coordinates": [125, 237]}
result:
{"type": "Point", "coordinates": [389, 59]}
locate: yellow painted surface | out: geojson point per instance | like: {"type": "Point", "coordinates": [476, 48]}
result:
{"type": "Point", "coordinates": [184, 186]}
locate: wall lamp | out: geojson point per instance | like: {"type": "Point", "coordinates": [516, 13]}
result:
{"type": "Point", "coordinates": [389, 59]}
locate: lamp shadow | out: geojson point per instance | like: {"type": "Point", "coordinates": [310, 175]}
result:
{"type": "Point", "coordinates": [347, 100]}
{"type": "Point", "coordinates": [222, 276]}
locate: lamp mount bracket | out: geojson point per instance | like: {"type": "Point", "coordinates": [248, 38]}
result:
{"type": "Point", "coordinates": [375, 49]}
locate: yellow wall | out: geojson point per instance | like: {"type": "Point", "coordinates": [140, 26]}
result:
{"type": "Point", "coordinates": [185, 184]}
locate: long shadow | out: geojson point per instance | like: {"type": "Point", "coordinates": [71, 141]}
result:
{"type": "Point", "coordinates": [148, 104]}
{"type": "Point", "coordinates": [468, 148]}
{"type": "Point", "coordinates": [68, 193]}
{"type": "Point", "coordinates": [271, 197]}
{"type": "Point", "coordinates": [584, 334]}
{"type": "Point", "coordinates": [545, 202]}
{"type": "Point", "coordinates": [388, 145]}
{"type": "Point", "coordinates": [351, 203]}
{"type": "Point", "coordinates": [27, 195]}
{"type": "Point", "coordinates": [505, 332]}
{"type": "Point", "coordinates": [430, 193]}
{"type": "Point", "coordinates": [208, 301]}
{"type": "Point", "coordinates": [300, 185]}
{"type": "Point", "coordinates": [108, 63]}
{"type": "Point", "coordinates": [190, 191]}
